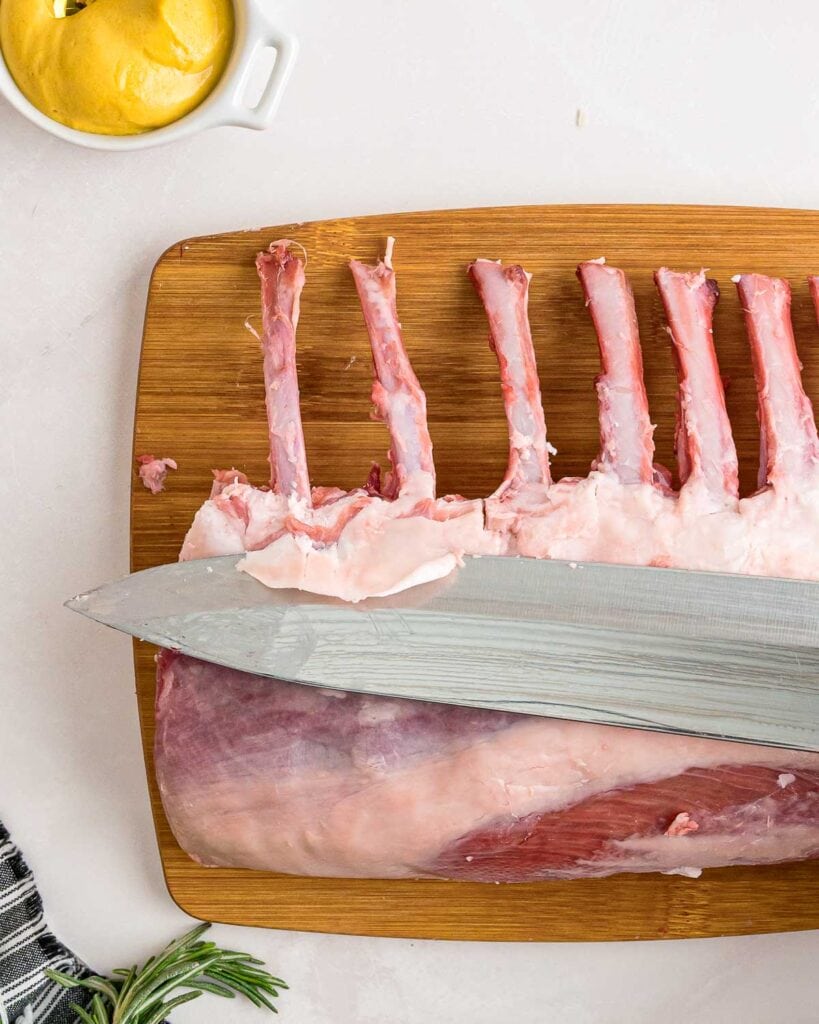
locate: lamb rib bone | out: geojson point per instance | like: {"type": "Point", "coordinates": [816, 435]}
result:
{"type": "Point", "coordinates": [397, 396]}
{"type": "Point", "coordinates": [706, 454]}
{"type": "Point", "coordinates": [504, 292]}
{"type": "Point", "coordinates": [626, 431]}
{"type": "Point", "coordinates": [789, 447]}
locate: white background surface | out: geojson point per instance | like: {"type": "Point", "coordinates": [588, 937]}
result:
{"type": "Point", "coordinates": [394, 106]}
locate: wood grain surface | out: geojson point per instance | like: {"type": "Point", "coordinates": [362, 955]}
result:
{"type": "Point", "coordinates": [201, 401]}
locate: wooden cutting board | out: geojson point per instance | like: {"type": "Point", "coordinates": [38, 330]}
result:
{"type": "Point", "coordinates": [201, 401]}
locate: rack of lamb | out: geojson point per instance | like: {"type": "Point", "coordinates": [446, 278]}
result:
{"type": "Point", "coordinates": [267, 774]}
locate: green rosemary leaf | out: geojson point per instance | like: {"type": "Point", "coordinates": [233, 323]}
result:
{"type": "Point", "coordinates": [162, 1011]}
{"type": "Point", "coordinates": [86, 1018]}
{"type": "Point", "coordinates": [212, 987]}
{"type": "Point", "coordinates": [155, 967]}
{"type": "Point", "coordinates": [178, 980]}
{"type": "Point", "coordinates": [128, 976]}
{"type": "Point", "coordinates": [264, 1001]}
{"type": "Point", "coordinates": [228, 973]}
{"type": "Point", "coordinates": [176, 974]}
{"type": "Point", "coordinates": [231, 956]}
{"type": "Point", "coordinates": [188, 939]}
{"type": "Point", "coordinates": [66, 980]}
{"type": "Point", "coordinates": [100, 985]}
{"type": "Point", "coordinates": [170, 954]}
{"type": "Point", "coordinates": [100, 1013]}
{"type": "Point", "coordinates": [249, 992]}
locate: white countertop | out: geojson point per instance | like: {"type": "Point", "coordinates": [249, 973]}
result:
{"type": "Point", "coordinates": [394, 106]}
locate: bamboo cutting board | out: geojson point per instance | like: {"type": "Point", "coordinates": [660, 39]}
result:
{"type": "Point", "coordinates": [201, 401]}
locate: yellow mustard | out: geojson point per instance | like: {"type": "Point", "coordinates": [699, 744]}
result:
{"type": "Point", "coordinates": [116, 67]}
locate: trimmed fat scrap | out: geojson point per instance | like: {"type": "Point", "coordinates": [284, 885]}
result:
{"type": "Point", "coordinates": [266, 774]}
{"type": "Point", "coordinates": [153, 471]}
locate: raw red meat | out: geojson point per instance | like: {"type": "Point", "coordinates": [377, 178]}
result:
{"type": "Point", "coordinates": [266, 774]}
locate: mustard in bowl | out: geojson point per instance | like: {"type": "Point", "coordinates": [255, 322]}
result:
{"type": "Point", "coordinates": [123, 74]}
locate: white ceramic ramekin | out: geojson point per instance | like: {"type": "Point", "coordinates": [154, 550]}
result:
{"type": "Point", "coordinates": [254, 32]}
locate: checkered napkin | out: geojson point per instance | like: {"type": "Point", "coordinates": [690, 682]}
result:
{"type": "Point", "coordinates": [27, 947]}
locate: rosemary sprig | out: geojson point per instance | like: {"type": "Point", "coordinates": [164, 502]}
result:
{"type": "Point", "coordinates": [145, 995]}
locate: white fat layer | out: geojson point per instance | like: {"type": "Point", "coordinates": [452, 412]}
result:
{"type": "Point", "coordinates": [363, 546]}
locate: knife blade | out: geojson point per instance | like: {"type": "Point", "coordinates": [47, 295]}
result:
{"type": "Point", "coordinates": [698, 653]}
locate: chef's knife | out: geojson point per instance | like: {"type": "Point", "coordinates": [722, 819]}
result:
{"type": "Point", "coordinates": [700, 653]}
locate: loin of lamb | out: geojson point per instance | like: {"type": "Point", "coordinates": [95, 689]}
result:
{"type": "Point", "coordinates": [266, 774]}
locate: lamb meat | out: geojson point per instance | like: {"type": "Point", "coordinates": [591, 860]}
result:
{"type": "Point", "coordinates": [267, 774]}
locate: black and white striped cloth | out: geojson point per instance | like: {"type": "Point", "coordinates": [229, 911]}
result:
{"type": "Point", "coordinates": [27, 947]}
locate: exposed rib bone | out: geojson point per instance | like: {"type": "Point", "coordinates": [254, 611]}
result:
{"type": "Point", "coordinates": [789, 447]}
{"type": "Point", "coordinates": [813, 284]}
{"type": "Point", "coordinates": [397, 396]}
{"type": "Point", "coordinates": [626, 445]}
{"type": "Point", "coordinates": [706, 453]}
{"type": "Point", "coordinates": [282, 276]}
{"type": "Point", "coordinates": [504, 292]}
